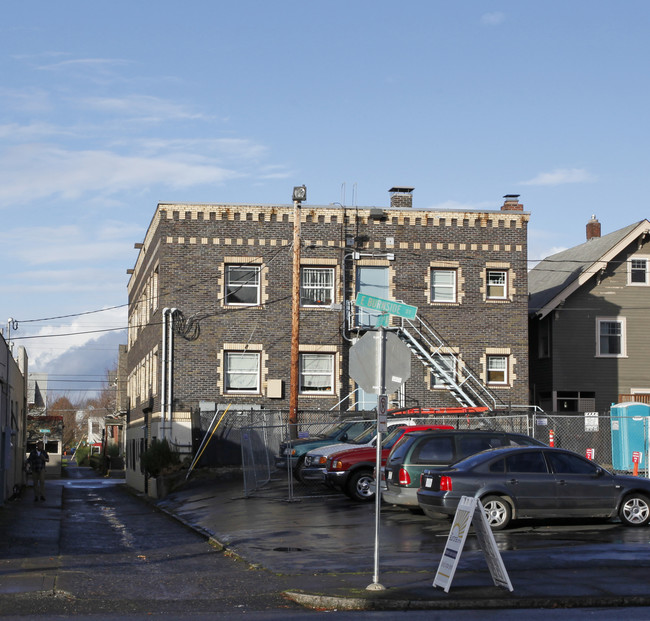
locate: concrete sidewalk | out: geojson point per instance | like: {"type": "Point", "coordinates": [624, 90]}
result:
{"type": "Point", "coordinates": [329, 555]}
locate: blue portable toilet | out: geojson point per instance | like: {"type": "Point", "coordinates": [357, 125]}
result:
{"type": "Point", "coordinates": [629, 423]}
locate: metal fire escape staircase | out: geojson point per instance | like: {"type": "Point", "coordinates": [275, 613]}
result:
{"type": "Point", "coordinates": [432, 351]}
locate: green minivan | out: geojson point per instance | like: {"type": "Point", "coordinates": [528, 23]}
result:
{"type": "Point", "coordinates": [420, 450]}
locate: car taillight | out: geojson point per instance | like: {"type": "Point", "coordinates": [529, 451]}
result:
{"type": "Point", "coordinates": [445, 484]}
{"type": "Point", "coordinates": [404, 477]}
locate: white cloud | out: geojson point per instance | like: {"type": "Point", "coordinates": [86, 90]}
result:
{"type": "Point", "coordinates": [561, 176]}
{"type": "Point", "coordinates": [141, 106]}
{"type": "Point", "coordinates": [57, 244]}
{"type": "Point", "coordinates": [44, 347]}
{"type": "Point", "coordinates": [32, 172]}
{"type": "Point", "coordinates": [493, 19]}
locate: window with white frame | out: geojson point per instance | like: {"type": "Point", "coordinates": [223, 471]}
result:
{"type": "Point", "coordinates": [446, 365]}
{"type": "Point", "coordinates": [242, 372]}
{"type": "Point", "coordinates": [497, 284]}
{"type": "Point", "coordinates": [497, 369]}
{"type": "Point", "coordinates": [316, 286]}
{"type": "Point", "coordinates": [610, 335]}
{"type": "Point", "coordinates": [317, 374]}
{"type": "Point", "coordinates": [443, 285]}
{"type": "Point", "coordinates": [243, 285]}
{"type": "Point", "coordinates": [638, 273]}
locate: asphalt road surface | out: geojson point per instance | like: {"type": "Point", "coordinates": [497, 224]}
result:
{"type": "Point", "coordinates": [118, 555]}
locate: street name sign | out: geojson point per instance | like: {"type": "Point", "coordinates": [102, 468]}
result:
{"type": "Point", "coordinates": [386, 306]}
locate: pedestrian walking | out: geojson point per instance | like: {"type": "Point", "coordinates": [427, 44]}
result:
{"type": "Point", "coordinates": [37, 460]}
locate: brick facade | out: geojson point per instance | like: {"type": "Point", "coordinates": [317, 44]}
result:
{"type": "Point", "coordinates": [182, 261]}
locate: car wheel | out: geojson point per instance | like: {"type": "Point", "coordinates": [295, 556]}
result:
{"type": "Point", "coordinates": [358, 487]}
{"type": "Point", "coordinates": [498, 512]}
{"type": "Point", "coordinates": [635, 510]}
{"type": "Point", "coordinates": [300, 466]}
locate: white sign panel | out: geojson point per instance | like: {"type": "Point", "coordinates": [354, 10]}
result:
{"type": "Point", "coordinates": [591, 421]}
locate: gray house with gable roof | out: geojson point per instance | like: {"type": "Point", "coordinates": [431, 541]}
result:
{"type": "Point", "coordinates": [588, 310]}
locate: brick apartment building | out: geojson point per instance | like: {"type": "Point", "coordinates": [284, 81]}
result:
{"type": "Point", "coordinates": [210, 308]}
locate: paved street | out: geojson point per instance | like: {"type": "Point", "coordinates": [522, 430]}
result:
{"type": "Point", "coordinates": [96, 548]}
{"type": "Point", "coordinates": [101, 550]}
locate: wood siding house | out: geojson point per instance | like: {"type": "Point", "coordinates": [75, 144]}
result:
{"type": "Point", "coordinates": [588, 309]}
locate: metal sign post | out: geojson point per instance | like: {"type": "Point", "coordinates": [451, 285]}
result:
{"type": "Point", "coordinates": [382, 408]}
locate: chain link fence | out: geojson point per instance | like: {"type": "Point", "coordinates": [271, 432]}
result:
{"type": "Point", "coordinates": [262, 441]}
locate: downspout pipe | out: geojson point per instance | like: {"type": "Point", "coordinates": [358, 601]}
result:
{"type": "Point", "coordinates": [166, 370]}
{"type": "Point", "coordinates": [170, 373]}
{"type": "Point", "coordinates": [163, 371]}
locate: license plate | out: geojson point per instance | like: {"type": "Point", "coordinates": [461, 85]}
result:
{"type": "Point", "coordinates": [390, 475]}
{"type": "Point", "coordinates": [428, 482]}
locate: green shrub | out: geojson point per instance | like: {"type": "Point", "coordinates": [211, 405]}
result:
{"type": "Point", "coordinates": [82, 456]}
{"type": "Point", "coordinates": [159, 457]}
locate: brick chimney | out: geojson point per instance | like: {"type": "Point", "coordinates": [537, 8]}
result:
{"type": "Point", "coordinates": [511, 203]}
{"type": "Point", "coordinates": [401, 198]}
{"type": "Point", "coordinates": [593, 228]}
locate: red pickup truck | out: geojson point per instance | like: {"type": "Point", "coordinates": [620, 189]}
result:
{"type": "Point", "coordinates": [351, 470]}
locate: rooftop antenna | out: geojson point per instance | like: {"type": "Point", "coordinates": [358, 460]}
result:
{"type": "Point", "coordinates": [354, 195]}
{"type": "Point", "coordinates": [343, 194]}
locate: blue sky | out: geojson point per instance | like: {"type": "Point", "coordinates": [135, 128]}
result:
{"type": "Point", "coordinates": [107, 108]}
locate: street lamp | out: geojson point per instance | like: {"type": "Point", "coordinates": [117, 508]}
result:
{"type": "Point", "coordinates": [299, 195]}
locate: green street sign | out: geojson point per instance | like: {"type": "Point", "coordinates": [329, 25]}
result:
{"type": "Point", "coordinates": [43, 431]}
{"type": "Point", "coordinates": [386, 306]}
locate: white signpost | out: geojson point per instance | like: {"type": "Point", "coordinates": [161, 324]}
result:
{"type": "Point", "coordinates": [380, 363]}
{"type": "Point", "coordinates": [470, 512]}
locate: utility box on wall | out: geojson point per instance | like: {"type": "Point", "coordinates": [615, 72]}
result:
{"type": "Point", "coordinates": [629, 434]}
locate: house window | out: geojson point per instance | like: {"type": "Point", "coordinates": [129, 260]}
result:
{"type": "Point", "coordinates": [242, 372]}
{"type": "Point", "coordinates": [317, 374]}
{"type": "Point", "coordinates": [611, 337]}
{"type": "Point", "coordinates": [497, 284]}
{"type": "Point", "coordinates": [316, 286]}
{"type": "Point", "coordinates": [443, 285]}
{"type": "Point", "coordinates": [497, 369]}
{"type": "Point", "coordinates": [242, 285]}
{"type": "Point", "coordinates": [447, 364]}
{"type": "Point", "coordinates": [638, 272]}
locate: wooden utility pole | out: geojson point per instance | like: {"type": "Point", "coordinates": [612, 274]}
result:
{"type": "Point", "coordinates": [299, 194]}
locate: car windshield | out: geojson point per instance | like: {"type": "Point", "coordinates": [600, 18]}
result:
{"type": "Point", "coordinates": [365, 436]}
{"type": "Point", "coordinates": [393, 436]}
{"type": "Point", "coordinates": [330, 430]}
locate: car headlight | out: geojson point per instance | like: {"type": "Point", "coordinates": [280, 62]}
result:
{"type": "Point", "coordinates": [337, 465]}
{"type": "Point", "coordinates": [289, 451]}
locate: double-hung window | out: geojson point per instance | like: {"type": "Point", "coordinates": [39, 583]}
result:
{"type": "Point", "coordinates": [638, 273]}
{"type": "Point", "coordinates": [243, 285]}
{"type": "Point", "coordinates": [497, 369]}
{"type": "Point", "coordinates": [316, 286]}
{"type": "Point", "coordinates": [610, 337]}
{"type": "Point", "coordinates": [443, 285]}
{"type": "Point", "coordinates": [317, 374]}
{"type": "Point", "coordinates": [497, 284]}
{"type": "Point", "coordinates": [242, 372]}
